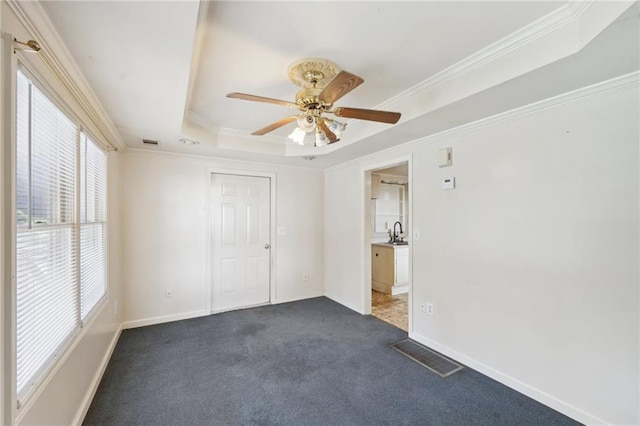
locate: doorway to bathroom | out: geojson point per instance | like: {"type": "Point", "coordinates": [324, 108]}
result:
{"type": "Point", "coordinates": [388, 223]}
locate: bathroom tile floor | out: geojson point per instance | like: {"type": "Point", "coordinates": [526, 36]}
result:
{"type": "Point", "coordinates": [391, 309]}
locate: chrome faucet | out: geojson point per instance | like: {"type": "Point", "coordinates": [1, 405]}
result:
{"type": "Point", "coordinates": [395, 233]}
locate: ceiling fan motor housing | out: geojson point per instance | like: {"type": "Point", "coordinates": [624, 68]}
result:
{"type": "Point", "coordinates": [307, 99]}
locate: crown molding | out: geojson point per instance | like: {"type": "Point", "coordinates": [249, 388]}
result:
{"type": "Point", "coordinates": [224, 131]}
{"type": "Point", "coordinates": [196, 118]}
{"type": "Point", "coordinates": [54, 52]}
{"type": "Point", "coordinates": [201, 121]}
{"type": "Point", "coordinates": [519, 38]}
{"type": "Point", "coordinates": [603, 88]}
{"type": "Point", "coordinates": [557, 35]}
{"type": "Point", "coordinates": [201, 29]}
{"type": "Point", "coordinates": [582, 94]}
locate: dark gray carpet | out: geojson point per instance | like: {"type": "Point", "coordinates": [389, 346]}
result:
{"type": "Point", "coordinates": [301, 363]}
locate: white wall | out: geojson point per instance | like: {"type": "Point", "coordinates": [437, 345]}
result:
{"type": "Point", "coordinates": [67, 394]}
{"type": "Point", "coordinates": [532, 261]}
{"type": "Point", "coordinates": [165, 241]}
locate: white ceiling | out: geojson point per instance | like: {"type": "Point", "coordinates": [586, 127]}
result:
{"type": "Point", "coordinates": [162, 69]}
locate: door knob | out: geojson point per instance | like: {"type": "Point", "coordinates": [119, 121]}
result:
{"type": "Point", "coordinates": [267, 246]}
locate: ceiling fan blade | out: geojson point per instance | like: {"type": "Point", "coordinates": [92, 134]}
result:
{"type": "Point", "coordinates": [368, 114]}
{"type": "Point", "coordinates": [275, 125]}
{"type": "Point", "coordinates": [328, 133]}
{"type": "Point", "coordinates": [246, 97]}
{"type": "Point", "coordinates": [341, 84]}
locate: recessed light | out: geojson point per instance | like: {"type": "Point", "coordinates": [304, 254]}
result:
{"type": "Point", "coordinates": [189, 142]}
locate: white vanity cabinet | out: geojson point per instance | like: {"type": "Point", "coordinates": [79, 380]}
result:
{"type": "Point", "coordinates": [389, 268]}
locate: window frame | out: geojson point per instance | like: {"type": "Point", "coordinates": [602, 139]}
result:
{"type": "Point", "coordinates": [25, 399]}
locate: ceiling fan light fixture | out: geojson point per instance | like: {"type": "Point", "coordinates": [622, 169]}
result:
{"type": "Point", "coordinates": [298, 136]}
{"type": "Point", "coordinates": [307, 122]}
{"type": "Point", "coordinates": [321, 138]}
{"type": "Point", "coordinates": [336, 127]}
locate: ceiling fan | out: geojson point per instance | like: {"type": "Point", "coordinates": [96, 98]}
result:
{"type": "Point", "coordinates": [323, 83]}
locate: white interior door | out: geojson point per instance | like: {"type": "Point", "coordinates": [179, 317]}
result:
{"type": "Point", "coordinates": [241, 241]}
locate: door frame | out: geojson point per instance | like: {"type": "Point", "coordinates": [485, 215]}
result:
{"type": "Point", "coordinates": [367, 232]}
{"type": "Point", "coordinates": [209, 228]}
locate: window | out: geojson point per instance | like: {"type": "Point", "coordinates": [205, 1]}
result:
{"type": "Point", "coordinates": [60, 241]}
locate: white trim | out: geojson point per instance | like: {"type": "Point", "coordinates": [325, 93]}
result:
{"type": "Point", "coordinates": [528, 390]}
{"type": "Point", "coordinates": [582, 94]}
{"type": "Point", "coordinates": [239, 308]}
{"type": "Point", "coordinates": [344, 303]}
{"type": "Point", "coordinates": [54, 52]}
{"type": "Point", "coordinates": [93, 387]}
{"type": "Point", "coordinates": [201, 121]}
{"type": "Point", "coordinates": [196, 118]}
{"type": "Point", "coordinates": [241, 163]}
{"type": "Point", "coordinates": [225, 131]}
{"type": "Point", "coordinates": [244, 136]}
{"type": "Point", "coordinates": [208, 266]}
{"type": "Point", "coordinates": [8, 227]}
{"type": "Point", "coordinates": [201, 29]}
{"type": "Point", "coordinates": [272, 229]}
{"type": "Point", "coordinates": [164, 318]}
{"type": "Point", "coordinates": [311, 295]}
{"type": "Point", "coordinates": [554, 20]}
{"type": "Point", "coordinates": [366, 282]}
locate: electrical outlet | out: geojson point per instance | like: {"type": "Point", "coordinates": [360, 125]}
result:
{"type": "Point", "coordinates": [168, 293]}
{"type": "Point", "coordinates": [429, 308]}
{"type": "Point", "coordinates": [416, 234]}
{"type": "Point", "coordinates": [305, 276]}
{"type": "Point", "coordinates": [423, 307]}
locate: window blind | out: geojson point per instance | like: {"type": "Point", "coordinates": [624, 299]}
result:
{"type": "Point", "coordinates": [46, 255]}
{"type": "Point", "coordinates": [93, 285]}
{"type": "Point", "coordinates": [60, 242]}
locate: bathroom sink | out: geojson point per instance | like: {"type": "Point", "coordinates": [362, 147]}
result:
{"type": "Point", "coordinates": [400, 243]}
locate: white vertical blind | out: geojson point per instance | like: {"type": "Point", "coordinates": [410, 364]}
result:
{"type": "Point", "coordinates": [56, 286]}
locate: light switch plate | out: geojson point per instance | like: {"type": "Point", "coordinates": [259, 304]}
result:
{"type": "Point", "coordinates": [282, 230]}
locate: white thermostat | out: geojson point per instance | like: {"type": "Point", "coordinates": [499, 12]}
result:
{"type": "Point", "coordinates": [449, 183]}
{"type": "Point", "coordinates": [445, 158]}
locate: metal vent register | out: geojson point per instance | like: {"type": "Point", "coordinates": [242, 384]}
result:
{"type": "Point", "coordinates": [427, 358]}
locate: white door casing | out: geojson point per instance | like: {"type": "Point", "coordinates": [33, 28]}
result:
{"type": "Point", "coordinates": [241, 250]}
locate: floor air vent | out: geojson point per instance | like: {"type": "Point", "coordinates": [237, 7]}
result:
{"type": "Point", "coordinates": [426, 357]}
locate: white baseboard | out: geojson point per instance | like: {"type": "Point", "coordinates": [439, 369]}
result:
{"type": "Point", "coordinates": [164, 318]}
{"type": "Point", "coordinates": [533, 393]}
{"type": "Point", "coordinates": [347, 304]}
{"type": "Point", "coordinates": [88, 398]}
{"type": "Point", "coordinates": [293, 299]}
